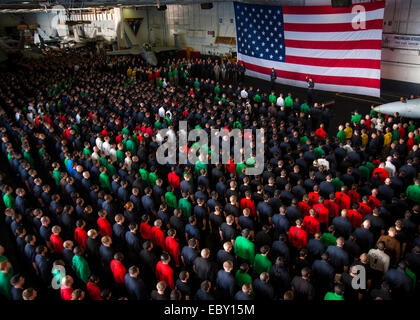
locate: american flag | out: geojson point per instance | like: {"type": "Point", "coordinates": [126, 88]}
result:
{"type": "Point", "coordinates": [316, 41]}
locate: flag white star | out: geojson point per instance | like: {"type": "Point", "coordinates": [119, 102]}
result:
{"type": "Point", "coordinates": [268, 39]}
{"type": "Point", "coordinates": [253, 9]}
{"type": "Point", "coordinates": [266, 16]}
{"type": "Point", "coordinates": [257, 48]}
{"type": "Point", "coordinates": [271, 56]}
{"type": "Point", "coordinates": [281, 46]}
{"type": "Point", "coordinates": [275, 29]}
{"type": "Point", "coordinates": [266, 50]}
{"type": "Point", "coordinates": [246, 19]}
{"type": "Point", "coordinates": [254, 20]}
{"type": "Point", "coordinates": [246, 51]}
{"type": "Point", "coordinates": [255, 31]}
{"type": "Point", "coordinates": [261, 55]}
{"type": "Point", "coordinates": [271, 22]}
{"type": "Point", "coordinates": [276, 51]}
{"type": "Point", "coordinates": [253, 42]}
{"type": "Point", "coordinates": [263, 33]}
{"type": "Point", "coordinates": [252, 52]}
{"type": "Point", "coordinates": [271, 34]}
{"type": "Point", "coordinates": [271, 45]}
{"type": "Point", "coordinates": [259, 37]}
{"type": "Point", "coordinates": [258, 15]}
{"type": "Point", "coordinates": [281, 57]}
{"type": "Point", "coordinates": [280, 35]}
{"type": "Point", "coordinates": [269, 11]}
{"type": "Point", "coordinates": [249, 47]}
{"type": "Point", "coordinates": [263, 44]}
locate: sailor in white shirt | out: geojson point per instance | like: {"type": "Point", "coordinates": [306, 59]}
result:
{"type": "Point", "coordinates": [106, 146]}
{"type": "Point", "coordinates": [113, 152]}
{"type": "Point", "coordinates": [378, 259]}
{"type": "Point", "coordinates": [95, 153]}
{"type": "Point", "coordinates": [280, 101]}
{"type": "Point", "coordinates": [323, 162]}
{"type": "Point", "coordinates": [128, 161]}
{"type": "Point", "coordinates": [389, 166]}
{"type": "Point", "coordinates": [99, 142]}
{"type": "Point", "coordinates": [244, 94]}
{"type": "Point", "coordinates": [162, 112]}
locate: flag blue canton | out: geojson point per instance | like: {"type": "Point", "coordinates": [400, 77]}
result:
{"type": "Point", "coordinates": [259, 31]}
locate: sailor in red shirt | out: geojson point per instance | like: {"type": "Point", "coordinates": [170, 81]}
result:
{"type": "Point", "coordinates": [310, 223]}
{"type": "Point", "coordinates": [145, 228]}
{"type": "Point", "coordinates": [104, 226]}
{"type": "Point", "coordinates": [248, 203]}
{"type": "Point", "coordinates": [304, 206]}
{"type": "Point", "coordinates": [354, 216]}
{"type": "Point", "coordinates": [322, 213]}
{"type": "Point", "coordinates": [164, 272]}
{"type": "Point", "coordinates": [320, 132]}
{"type": "Point", "coordinates": [383, 174]}
{"type": "Point", "coordinates": [364, 207]}
{"type": "Point", "coordinates": [373, 201]}
{"type": "Point", "coordinates": [158, 237]}
{"type": "Point", "coordinates": [353, 194]}
{"type": "Point", "coordinates": [80, 234]}
{"type": "Point", "coordinates": [66, 289]}
{"type": "Point", "coordinates": [332, 206]}
{"type": "Point", "coordinates": [118, 269]}
{"type": "Point", "coordinates": [92, 288]}
{"type": "Point", "coordinates": [342, 199]}
{"type": "Point", "coordinates": [172, 246]}
{"type": "Point", "coordinates": [56, 240]}
{"type": "Point", "coordinates": [313, 196]}
{"type": "Point", "coordinates": [173, 178]}
{"type": "Point", "coordinates": [231, 166]}
{"type": "Point", "coordinates": [297, 236]}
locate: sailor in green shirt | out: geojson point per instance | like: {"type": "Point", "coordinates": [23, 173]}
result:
{"type": "Point", "coordinates": [319, 152]}
{"type": "Point", "coordinates": [337, 183]}
{"type": "Point", "coordinates": [413, 191]}
{"type": "Point", "coordinates": [242, 276]}
{"type": "Point", "coordinates": [196, 83]}
{"type": "Point", "coordinates": [120, 153]}
{"type": "Point", "coordinates": [125, 131]}
{"type": "Point", "coordinates": [303, 140]}
{"type": "Point", "coordinates": [272, 98]}
{"type": "Point", "coordinates": [364, 172]}
{"type": "Point", "coordinates": [239, 168]}
{"type": "Point", "coordinates": [80, 265]}
{"type": "Point", "coordinates": [144, 174]}
{"type": "Point", "coordinates": [104, 179]}
{"type": "Point", "coordinates": [244, 248]}
{"type": "Point", "coordinates": [341, 135]}
{"type": "Point", "coordinates": [170, 198]}
{"type": "Point", "coordinates": [86, 151]}
{"type": "Point", "coordinates": [305, 108]}
{"type": "Point", "coordinates": [8, 199]}
{"type": "Point", "coordinates": [6, 273]}
{"type": "Point", "coordinates": [288, 101]}
{"type": "Point", "coordinates": [152, 176]}
{"type": "Point", "coordinates": [257, 98]}
{"type": "Point", "coordinates": [329, 239]}
{"type": "Point", "coordinates": [131, 146]}
{"type": "Point", "coordinates": [185, 205]}
{"type": "Point", "coordinates": [261, 262]}
{"type": "Point", "coordinates": [356, 118]}
{"type": "Point", "coordinates": [216, 90]}
{"type": "Point", "coordinates": [337, 294]}
{"type": "Point", "coordinates": [371, 167]}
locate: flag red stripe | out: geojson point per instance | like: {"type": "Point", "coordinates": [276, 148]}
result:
{"type": "Point", "coordinates": [330, 27]}
{"type": "Point", "coordinates": [335, 63]}
{"type": "Point", "coordinates": [334, 45]}
{"type": "Point", "coordinates": [369, 6]}
{"type": "Point", "coordinates": [335, 80]}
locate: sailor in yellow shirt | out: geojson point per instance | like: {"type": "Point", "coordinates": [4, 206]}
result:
{"type": "Point", "coordinates": [348, 131]}
{"type": "Point", "coordinates": [387, 137]}
{"type": "Point", "coordinates": [365, 137]}
{"type": "Point", "coordinates": [129, 71]}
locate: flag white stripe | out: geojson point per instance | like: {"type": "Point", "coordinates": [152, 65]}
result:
{"type": "Point", "coordinates": [334, 36]}
{"type": "Point", "coordinates": [331, 18]}
{"type": "Point", "coordinates": [335, 54]}
{"type": "Point", "coordinates": [313, 70]}
{"type": "Point", "coordinates": [319, 86]}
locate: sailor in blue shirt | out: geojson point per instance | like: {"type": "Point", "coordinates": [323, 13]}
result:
{"type": "Point", "coordinates": [262, 289]}
{"type": "Point", "coordinates": [280, 247]}
{"type": "Point", "coordinates": [189, 253]}
{"type": "Point", "coordinates": [135, 286]}
{"type": "Point", "coordinates": [226, 281]}
{"type": "Point", "coordinates": [343, 225]}
{"type": "Point", "coordinates": [401, 284]}
{"type": "Point", "coordinates": [323, 273]}
{"type": "Point", "coordinates": [204, 292]}
{"type": "Point", "coordinates": [245, 293]}
{"type": "Point", "coordinates": [191, 228]}
{"type": "Point", "coordinates": [338, 257]}
{"type": "Point", "coordinates": [315, 247]}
